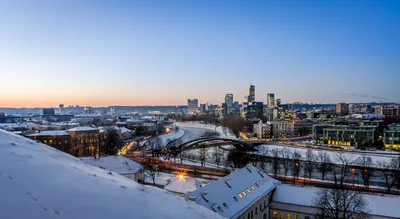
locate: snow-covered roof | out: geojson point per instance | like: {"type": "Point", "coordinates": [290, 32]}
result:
{"type": "Point", "coordinates": [49, 133]}
{"type": "Point", "coordinates": [118, 164]}
{"type": "Point", "coordinates": [124, 130]}
{"type": "Point", "coordinates": [379, 205]}
{"type": "Point", "coordinates": [38, 181]}
{"type": "Point", "coordinates": [368, 116]}
{"type": "Point", "coordinates": [226, 190]}
{"type": "Point", "coordinates": [82, 129]}
{"type": "Point", "coordinates": [11, 126]}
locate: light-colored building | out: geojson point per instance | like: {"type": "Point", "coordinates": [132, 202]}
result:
{"type": "Point", "coordinates": [244, 194]}
{"type": "Point", "coordinates": [281, 128]}
{"type": "Point", "coordinates": [262, 130]}
{"type": "Point", "coordinates": [193, 106]}
{"type": "Point", "coordinates": [118, 164]}
{"type": "Point", "coordinates": [388, 111]}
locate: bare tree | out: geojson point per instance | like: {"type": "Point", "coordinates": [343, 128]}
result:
{"type": "Point", "coordinates": [325, 164]}
{"type": "Point", "coordinates": [150, 171]}
{"type": "Point", "coordinates": [390, 171]}
{"type": "Point", "coordinates": [296, 164]}
{"type": "Point", "coordinates": [309, 164]}
{"type": "Point", "coordinates": [202, 154]}
{"type": "Point", "coordinates": [264, 152]}
{"type": "Point", "coordinates": [275, 163]}
{"type": "Point", "coordinates": [285, 154]}
{"type": "Point", "coordinates": [217, 155]}
{"type": "Point", "coordinates": [341, 204]}
{"type": "Point", "coordinates": [341, 173]}
{"type": "Point", "coordinates": [366, 163]}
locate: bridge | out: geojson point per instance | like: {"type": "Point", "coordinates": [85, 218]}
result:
{"type": "Point", "coordinates": [192, 144]}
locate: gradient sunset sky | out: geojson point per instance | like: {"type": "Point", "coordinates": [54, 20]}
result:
{"type": "Point", "coordinates": [115, 52]}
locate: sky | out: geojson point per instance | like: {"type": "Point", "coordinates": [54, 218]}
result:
{"type": "Point", "coordinates": [147, 52]}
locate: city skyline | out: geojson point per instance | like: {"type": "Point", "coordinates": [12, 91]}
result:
{"type": "Point", "coordinates": [138, 53]}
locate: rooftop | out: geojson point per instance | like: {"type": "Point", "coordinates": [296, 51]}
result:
{"type": "Point", "coordinates": [82, 129]}
{"type": "Point", "coordinates": [230, 195]}
{"type": "Point", "coordinates": [50, 133]}
{"type": "Point", "coordinates": [37, 181]}
{"type": "Point", "coordinates": [118, 164]}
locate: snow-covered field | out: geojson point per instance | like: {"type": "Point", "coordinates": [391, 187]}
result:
{"type": "Point", "coordinates": [223, 132]}
{"type": "Point", "coordinates": [333, 154]}
{"type": "Point", "coordinates": [37, 181]}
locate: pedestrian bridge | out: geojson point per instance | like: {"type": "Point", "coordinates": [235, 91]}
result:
{"type": "Point", "coordinates": [193, 144]}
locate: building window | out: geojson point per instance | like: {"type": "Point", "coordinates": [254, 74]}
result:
{"type": "Point", "coordinates": [264, 204]}
{"type": "Point", "coordinates": [225, 205]}
{"type": "Point", "coordinates": [295, 216]}
{"type": "Point", "coordinates": [282, 217]}
{"type": "Point", "coordinates": [288, 216]}
{"type": "Point", "coordinates": [256, 210]}
{"type": "Point", "coordinates": [253, 187]}
{"type": "Point", "coordinates": [240, 195]}
{"type": "Point", "coordinates": [275, 214]}
{"type": "Point", "coordinates": [244, 193]}
{"type": "Point", "coordinates": [248, 190]}
{"type": "Point", "coordinates": [251, 213]}
{"type": "Point", "coordinates": [260, 207]}
{"type": "Point", "coordinates": [235, 198]}
{"type": "Point", "coordinates": [248, 215]}
{"type": "Point", "coordinates": [307, 217]}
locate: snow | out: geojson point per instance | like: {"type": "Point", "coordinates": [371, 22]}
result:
{"type": "Point", "coordinates": [82, 129]}
{"type": "Point", "coordinates": [183, 186]}
{"type": "Point", "coordinates": [171, 136]}
{"type": "Point", "coordinates": [353, 155]}
{"type": "Point", "coordinates": [12, 126]}
{"type": "Point", "coordinates": [50, 133]}
{"type": "Point", "coordinates": [217, 193]}
{"type": "Point", "coordinates": [37, 181]}
{"type": "Point", "coordinates": [223, 131]}
{"type": "Point", "coordinates": [380, 205]}
{"type": "Point", "coordinates": [118, 164]}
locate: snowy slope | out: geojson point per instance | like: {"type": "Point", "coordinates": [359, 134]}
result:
{"type": "Point", "coordinates": [37, 181]}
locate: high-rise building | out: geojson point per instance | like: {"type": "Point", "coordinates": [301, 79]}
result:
{"type": "Point", "coordinates": [229, 100]}
{"type": "Point", "coordinates": [342, 109]}
{"type": "Point", "coordinates": [271, 100]}
{"type": "Point", "coordinates": [89, 110]}
{"type": "Point", "coordinates": [193, 106]}
{"type": "Point", "coordinates": [203, 108]}
{"type": "Point", "coordinates": [252, 94]}
{"type": "Point", "coordinates": [61, 109]}
{"type": "Point", "coordinates": [278, 102]}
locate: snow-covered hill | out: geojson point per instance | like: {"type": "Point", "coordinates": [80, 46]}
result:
{"type": "Point", "coordinates": [37, 181]}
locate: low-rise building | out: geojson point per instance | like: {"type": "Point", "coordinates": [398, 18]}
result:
{"type": "Point", "coordinates": [85, 141]}
{"type": "Point", "coordinates": [58, 139]}
{"type": "Point", "coordinates": [281, 128]}
{"type": "Point", "coordinates": [388, 111]}
{"type": "Point", "coordinates": [391, 137]}
{"type": "Point", "coordinates": [262, 130]}
{"type": "Point", "coordinates": [245, 193]}
{"type": "Point", "coordinates": [345, 135]}
{"type": "Point", "coordinates": [118, 164]}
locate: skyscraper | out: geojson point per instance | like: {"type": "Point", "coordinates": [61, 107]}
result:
{"type": "Point", "coordinates": [271, 100]}
{"type": "Point", "coordinates": [229, 100]}
{"type": "Point", "coordinates": [252, 94]}
{"type": "Point", "coordinates": [193, 106]}
{"type": "Point", "coordinates": [278, 102]}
